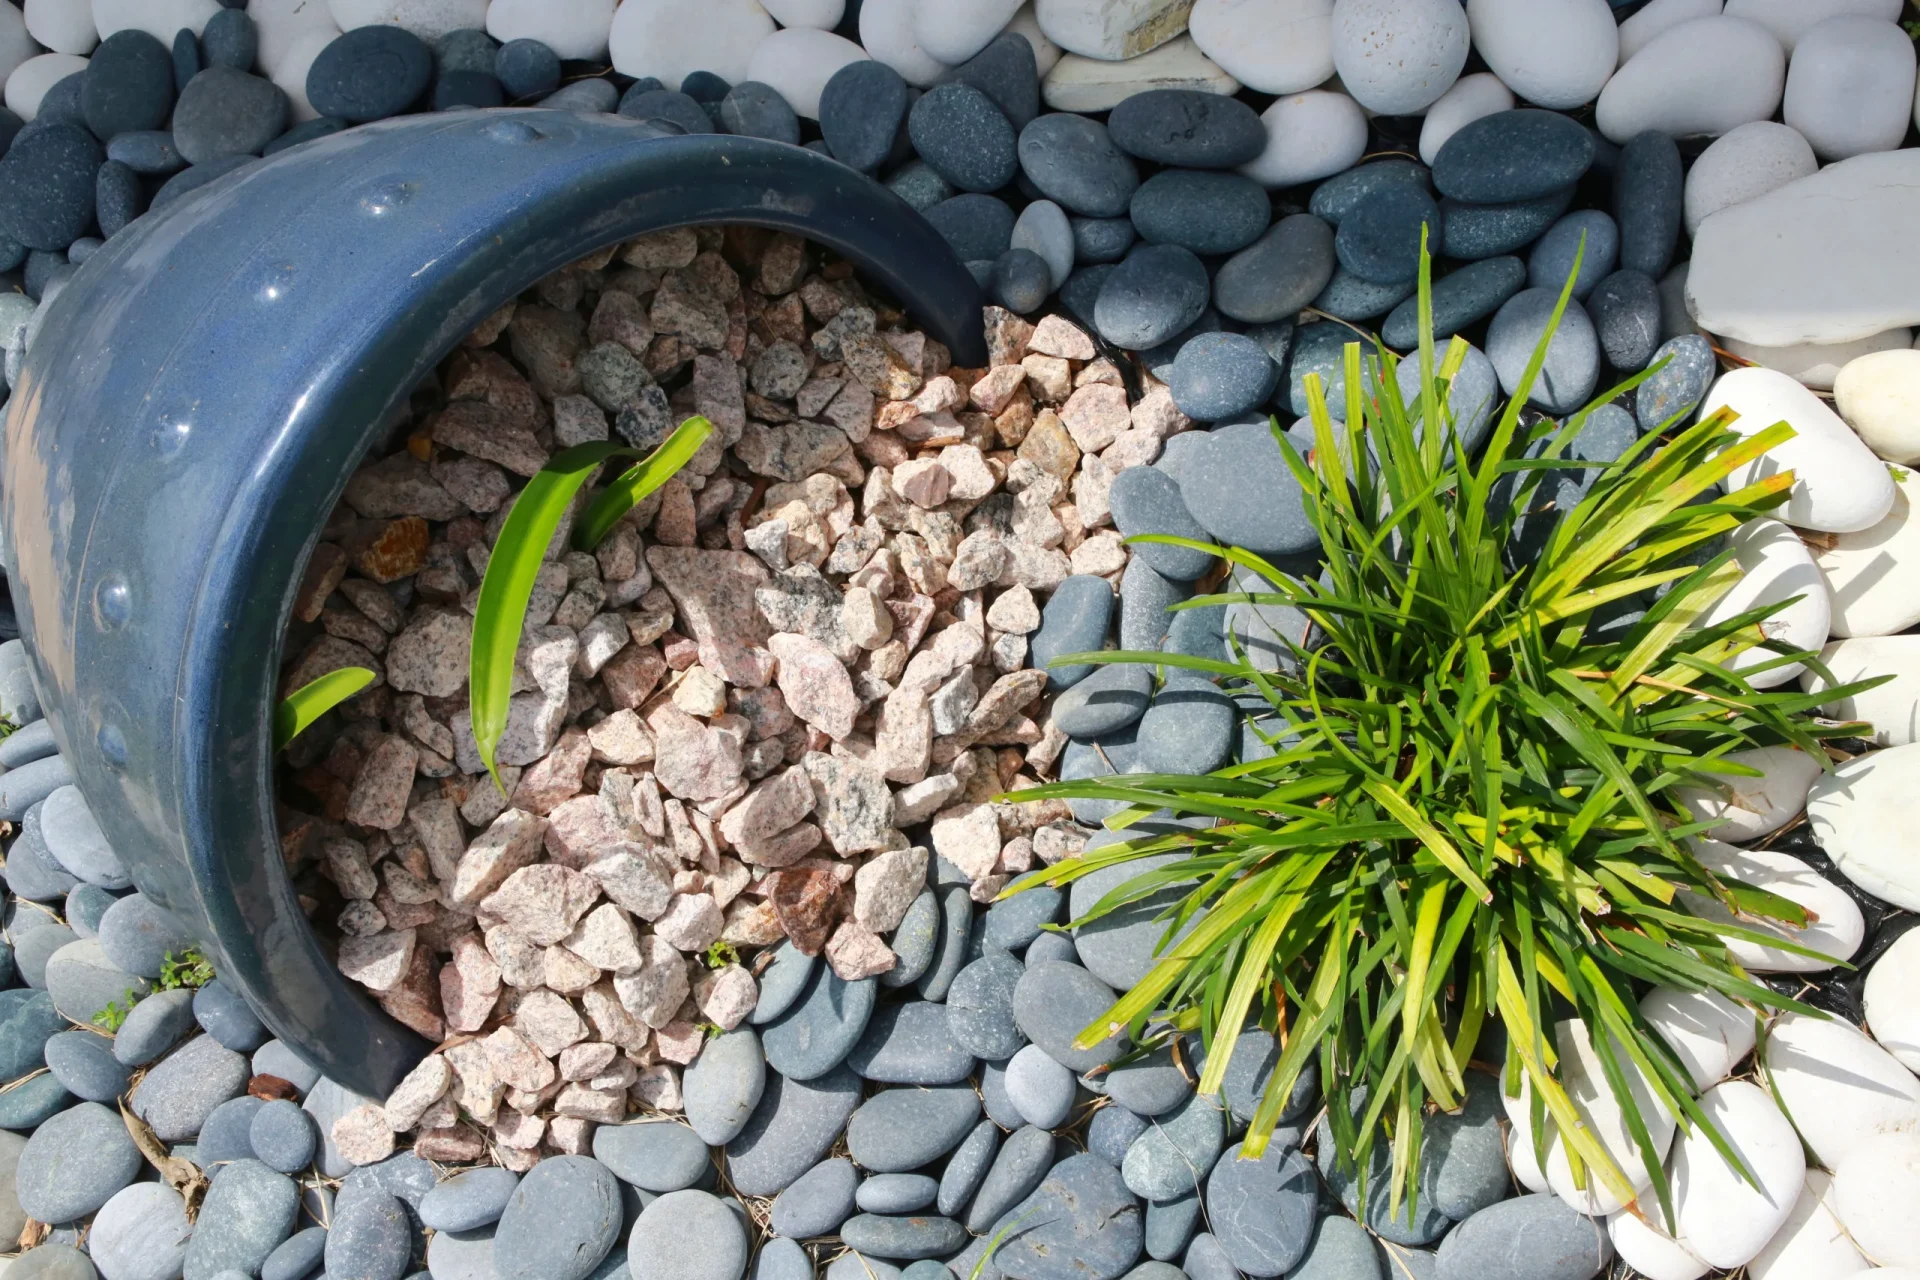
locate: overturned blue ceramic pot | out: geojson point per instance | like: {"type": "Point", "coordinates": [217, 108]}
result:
{"type": "Point", "coordinates": [198, 396]}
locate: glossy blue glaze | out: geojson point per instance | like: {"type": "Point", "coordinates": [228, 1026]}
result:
{"type": "Point", "coordinates": [197, 398]}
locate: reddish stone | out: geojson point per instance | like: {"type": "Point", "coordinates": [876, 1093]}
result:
{"type": "Point", "coordinates": [807, 902]}
{"type": "Point", "coordinates": [396, 551]}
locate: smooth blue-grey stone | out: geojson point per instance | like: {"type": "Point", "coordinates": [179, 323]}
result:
{"type": "Point", "coordinates": [1199, 632]}
{"type": "Point", "coordinates": [1336, 197]}
{"type": "Point", "coordinates": [1262, 1211]}
{"type": "Point", "coordinates": [669, 107]}
{"type": "Point", "coordinates": [654, 1155]}
{"type": "Point", "coordinates": [917, 184]}
{"type": "Point", "coordinates": [25, 1106]}
{"type": "Point", "coordinates": [1463, 1163]}
{"type": "Point", "coordinates": [1321, 348]}
{"type": "Point", "coordinates": [1073, 160]}
{"type": "Point", "coordinates": [1119, 947]}
{"type": "Point", "coordinates": [9, 969]}
{"type": "Point", "coordinates": [818, 1201]}
{"type": "Point", "coordinates": [1278, 273]}
{"type": "Point", "coordinates": [911, 1042]}
{"type": "Point", "coordinates": [1572, 367]}
{"type": "Point", "coordinates": [895, 1193]}
{"type": "Point", "coordinates": [178, 1095]}
{"type": "Point", "coordinates": [1206, 1260]}
{"type": "Point", "coordinates": [138, 934]}
{"type": "Point", "coordinates": [1348, 297]}
{"type": "Point", "coordinates": [1145, 598]}
{"type": "Point", "coordinates": [1156, 291]}
{"type": "Point", "coordinates": [1189, 728]}
{"type": "Point", "coordinates": [127, 84]}
{"type": "Point", "coordinates": [1080, 295]}
{"type": "Point", "coordinates": [588, 97]}
{"type": "Point", "coordinates": [32, 872]}
{"type": "Point", "coordinates": [783, 982]}
{"type": "Point", "coordinates": [1201, 210]}
{"type": "Point", "coordinates": [1560, 1244]}
{"type": "Point", "coordinates": [84, 983]}
{"type": "Point", "coordinates": [1021, 281]}
{"type": "Point", "coordinates": [1608, 432]}
{"type": "Point", "coordinates": [857, 1266]}
{"type": "Point", "coordinates": [298, 1257]}
{"type": "Point", "coordinates": [54, 1260]}
{"type": "Point", "coordinates": [1239, 488]}
{"type": "Point", "coordinates": [795, 1124]}
{"type": "Point", "coordinates": [1341, 1250]}
{"type": "Point", "coordinates": [965, 137]}
{"type": "Point", "coordinates": [902, 1237]}
{"type": "Point", "coordinates": [227, 1134]}
{"type": "Point", "coordinates": [142, 1234]}
{"type": "Point", "coordinates": [1625, 310]}
{"type": "Point", "coordinates": [1022, 1162]}
{"type": "Point", "coordinates": [1012, 923]}
{"type": "Point", "coordinates": [817, 1033]}
{"type": "Point", "coordinates": [1148, 501]}
{"type": "Point", "coordinates": [28, 785]}
{"type": "Point", "coordinates": [1173, 1156]}
{"type": "Point", "coordinates": [861, 110]}
{"type": "Point", "coordinates": [369, 73]}
{"type": "Point", "coordinates": [1007, 72]}
{"type": "Point", "coordinates": [977, 227]}
{"type": "Point", "coordinates": [1475, 231]}
{"type": "Point", "coordinates": [73, 1163]}
{"type": "Point", "coordinates": [900, 1129]}
{"type": "Point", "coordinates": [1101, 239]}
{"type": "Point", "coordinates": [755, 110]}
{"type": "Point", "coordinates": [1159, 360]}
{"type": "Point", "coordinates": [967, 1168]}
{"type": "Point", "coordinates": [914, 941]}
{"type": "Point", "coordinates": [723, 1085]}
{"type": "Point", "coordinates": [31, 951]}
{"type": "Point", "coordinates": [1053, 1003]}
{"type": "Point", "coordinates": [275, 1059]}
{"type": "Point", "coordinates": [1041, 1090]}
{"type": "Point", "coordinates": [1084, 1225]}
{"type": "Point", "coordinates": [1220, 375]}
{"type": "Point", "coordinates": [1380, 236]}
{"type": "Point", "coordinates": [185, 61]}
{"type": "Point", "coordinates": [781, 1260]}
{"type": "Point", "coordinates": [1187, 128]}
{"type": "Point", "coordinates": [1170, 1225]}
{"type": "Point", "coordinates": [1685, 368]}
{"type": "Point", "coordinates": [1074, 620]}
{"type": "Point", "coordinates": [471, 1199]}
{"type": "Point", "coordinates": [464, 49]}
{"type": "Point", "coordinates": [283, 1138]}
{"type": "Point", "coordinates": [1150, 1086]}
{"type": "Point", "coordinates": [1648, 185]}
{"type": "Point", "coordinates": [1112, 1130]}
{"type": "Point", "coordinates": [1099, 758]}
{"type": "Point", "coordinates": [1409, 1225]}
{"type": "Point", "coordinates": [85, 904]}
{"type": "Point", "coordinates": [1255, 1056]}
{"type": "Point", "coordinates": [153, 1027]}
{"type": "Point", "coordinates": [229, 40]}
{"type": "Point", "coordinates": [1398, 1262]}
{"type": "Point", "coordinates": [1512, 155]}
{"type": "Point", "coordinates": [956, 931]}
{"type": "Point", "coordinates": [1114, 696]}
{"type": "Point", "coordinates": [225, 112]}
{"type": "Point", "coordinates": [84, 1065]}
{"type": "Point", "coordinates": [560, 1222]}
{"type": "Point", "coordinates": [27, 744]}
{"type": "Point", "coordinates": [224, 1014]}
{"type": "Point", "coordinates": [1588, 234]}
{"type": "Point", "coordinates": [404, 1176]}
{"type": "Point", "coordinates": [1461, 298]}
{"type": "Point", "coordinates": [994, 1098]}
{"type": "Point", "coordinates": [526, 68]}
{"type": "Point", "coordinates": [247, 1213]}
{"type": "Point", "coordinates": [1472, 397]}
{"type": "Point", "coordinates": [370, 1237]}
{"type": "Point", "coordinates": [461, 1255]}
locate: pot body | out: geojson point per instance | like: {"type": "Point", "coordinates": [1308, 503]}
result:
{"type": "Point", "coordinates": [202, 389]}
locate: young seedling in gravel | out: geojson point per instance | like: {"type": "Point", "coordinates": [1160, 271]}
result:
{"type": "Point", "coordinates": [1470, 810]}
{"type": "Point", "coordinates": [299, 709]}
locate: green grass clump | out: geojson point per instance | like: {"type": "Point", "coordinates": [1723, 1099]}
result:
{"type": "Point", "coordinates": [1470, 810]}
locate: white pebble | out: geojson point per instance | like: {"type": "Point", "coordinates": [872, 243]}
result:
{"type": "Point", "coordinates": [1553, 53]}
{"type": "Point", "coordinates": [279, 25]}
{"type": "Point", "coordinates": [1275, 46]}
{"type": "Point", "coordinates": [1309, 136]}
{"type": "Point", "coordinates": [1110, 29]}
{"type": "Point", "coordinates": [290, 73]}
{"type": "Point", "coordinates": [63, 26]}
{"type": "Point", "coordinates": [672, 39]}
{"type": "Point", "coordinates": [1700, 77]}
{"type": "Point", "coordinates": [1834, 927]}
{"type": "Point", "coordinates": [886, 31]}
{"type": "Point", "coordinates": [161, 19]}
{"type": "Point", "coordinates": [1084, 84]}
{"type": "Point", "coordinates": [1789, 20]}
{"type": "Point", "coordinates": [1722, 1218]}
{"type": "Point", "coordinates": [16, 45]}
{"type": "Point", "coordinates": [1875, 1192]}
{"type": "Point", "coordinates": [1838, 1087]}
{"type": "Point", "coordinates": [1043, 227]}
{"type": "Point", "coordinates": [954, 30]}
{"type": "Point", "coordinates": [1839, 485]}
{"type": "Point", "coordinates": [31, 80]}
{"type": "Point", "coordinates": [1397, 57]}
{"type": "Point", "coordinates": [824, 14]}
{"type": "Point", "coordinates": [1743, 163]}
{"type": "Point", "coordinates": [1879, 396]}
{"type": "Point", "coordinates": [1776, 567]}
{"type": "Point", "coordinates": [576, 30]}
{"type": "Point", "coordinates": [1893, 708]}
{"type": "Point", "coordinates": [1474, 96]}
{"type": "Point", "coordinates": [1656, 17]}
{"type": "Point", "coordinates": [428, 19]}
{"type": "Point", "coordinates": [1817, 364]}
{"type": "Point", "coordinates": [799, 61]}
{"type": "Point", "coordinates": [1755, 807]}
{"type": "Point", "coordinates": [1892, 999]}
{"type": "Point", "coordinates": [1873, 576]}
{"type": "Point", "coordinates": [1810, 1244]}
{"type": "Point", "coordinates": [1644, 1245]}
{"type": "Point", "coordinates": [1862, 815]}
{"type": "Point", "coordinates": [1850, 88]}
{"type": "Point", "coordinates": [1709, 1033]}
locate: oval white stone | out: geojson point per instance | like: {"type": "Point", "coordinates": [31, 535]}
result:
{"type": "Point", "coordinates": [279, 24]}
{"type": "Point", "coordinates": [1876, 1190]}
{"type": "Point", "coordinates": [1850, 88]}
{"type": "Point", "coordinates": [1893, 709]}
{"type": "Point", "coordinates": [1309, 136]}
{"type": "Point", "coordinates": [671, 39]}
{"type": "Point", "coordinates": [1586, 1084]}
{"type": "Point", "coordinates": [1834, 924]}
{"type": "Point", "coordinates": [1873, 576]}
{"type": "Point", "coordinates": [1706, 1031]}
{"type": "Point", "coordinates": [1474, 96]}
{"type": "Point", "coordinates": [886, 32]}
{"type": "Point", "coordinates": [798, 61]}
{"type": "Point", "coordinates": [1839, 486]}
{"type": "Point", "coordinates": [1396, 57]}
{"type": "Point", "coordinates": [428, 19]}
{"type": "Point", "coordinates": [1109, 29]}
{"type": "Point", "coordinates": [1646, 1247]}
{"type": "Point", "coordinates": [1892, 999]}
{"type": "Point", "coordinates": [1553, 53]}
{"type": "Point", "coordinates": [1810, 1244]}
{"type": "Point", "coordinates": [1755, 807]}
{"type": "Point", "coordinates": [1079, 83]}
{"type": "Point", "coordinates": [1045, 52]}
{"type": "Point", "coordinates": [576, 30]}
{"type": "Point", "coordinates": [1789, 20]}
{"type": "Point", "coordinates": [1526, 1170]}
{"type": "Point", "coordinates": [1743, 164]}
{"type": "Point", "coordinates": [1863, 816]}
{"type": "Point", "coordinates": [1817, 364]}
{"type": "Point", "coordinates": [1722, 1219]}
{"type": "Point", "coordinates": [1043, 227]}
{"type": "Point", "coordinates": [824, 14]}
{"type": "Point", "coordinates": [63, 26]}
{"type": "Point", "coordinates": [954, 30]}
{"type": "Point", "coordinates": [290, 73]}
{"type": "Point", "coordinates": [31, 80]}
{"type": "Point", "coordinates": [1778, 568]}
{"type": "Point", "coordinates": [1838, 1087]}
{"type": "Point", "coordinates": [16, 45]}
{"type": "Point", "coordinates": [161, 19]}
{"type": "Point", "coordinates": [1879, 397]}
{"type": "Point", "coordinates": [1700, 77]}
{"type": "Point", "coordinates": [1636, 32]}
{"type": "Point", "coordinates": [1275, 46]}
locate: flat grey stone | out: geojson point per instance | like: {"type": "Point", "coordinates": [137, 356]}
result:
{"type": "Point", "coordinates": [1170, 1225]}
{"type": "Point", "coordinates": [73, 1164]}
{"type": "Point", "coordinates": [227, 1134]}
{"type": "Point", "coordinates": [297, 1257]}
{"type": "Point", "coordinates": [1023, 1161]}
{"type": "Point", "coordinates": [886, 1236]}
{"type": "Point", "coordinates": [1084, 1225]}
{"type": "Point", "coordinates": [561, 1221]}
{"type": "Point", "coordinates": [33, 947]}
{"type": "Point", "coordinates": [180, 1093]}
{"type": "Point", "coordinates": [1341, 1250]}
{"type": "Point", "coordinates": [1262, 1211]}
{"type": "Point", "coordinates": [468, 1200]}
{"type": "Point", "coordinates": [724, 1084]}
{"type": "Point", "coordinates": [782, 1259]}
{"type": "Point", "coordinates": [24, 1034]}
{"type": "Point", "coordinates": [795, 1124]}
{"type": "Point", "coordinates": [141, 1233]}
{"type": "Point", "coordinates": [654, 1155]}
{"type": "Point", "coordinates": [225, 1015]}
{"type": "Point", "coordinates": [1560, 1243]}
{"type": "Point", "coordinates": [901, 1129]}
{"type": "Point", "coordinates": [247, 1213]}
{"type": "Point", "coordinates": [818, 1201]}
{"type": "Point", "coordinates": [980, 1007]}
{"type": "Point", "coordinates": [1206, 1260]}
{"type": "Point", "coordinates": [1684, 369]}
{"type": "Point", "coordinates": [688, 1234]}
{"type": "Point", "coordinates": [26, 1106]}
{"type": "Point", "coordinates": [76, 842]}
{"type": "Point", "coordinates": [1111, 1131]}
{"type": "Point", "coordinates": [1016, 921]}
{"type": "Point", "coordinates": [275, 1058]}
{"type": "Point", "coordinates": [138, 934]}
{"type": "Point", "coordinates": [910, 1042]}
{"type": "Point", "coordinates": [84, 1064]}
{"type": "Point", "coordinates": [1053, 1003]}
{"type": "Point", "coordinates": [154, 1026]}
{"type": "Point", "coordinates": [462, 1255]}
{"type": "Point", "coordinates": [1173, 1157]}
{"type": "Point", "coordinates": [994, 1098]}
{"type": "Point", "coordinates": [1041, 1089]}
{"type": "Point", "coordinates": [896, 1193]}
{"type": "Point", "coordinates": [967, 1168]}
{"type": "Point", "coordinates": [370, 1237]}
{"type": "Point", "coordinates": [915, 941]}
{"type": "Point", "coordinates": [956, 931]}
{"type": "Point", "coordinates": [283, 1137]}
{"type": "Point", "coordinates": [815, 1035]}
{"type": "Point", "coordinates": [1150, 1086]}
{"type": "Point", "coordinates": [783, 982]}
{"type": "Point", "coordinates": [53, 1261]}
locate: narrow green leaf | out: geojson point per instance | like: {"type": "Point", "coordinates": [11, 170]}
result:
{"type": "Point", "coordinates": [314, 699]}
